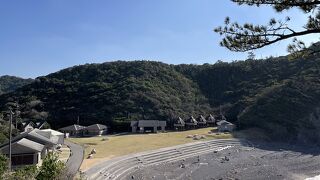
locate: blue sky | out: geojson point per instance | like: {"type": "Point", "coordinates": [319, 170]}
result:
{"type": "Point", "coordinates": [38, 37]}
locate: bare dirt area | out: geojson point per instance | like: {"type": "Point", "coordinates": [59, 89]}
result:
{"type": "Point", "coordinates": [263, 161]}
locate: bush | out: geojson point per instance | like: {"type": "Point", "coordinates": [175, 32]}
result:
{"type": "Point", "coordinates": [3, 165]}
{"type": "Point", "coordinates": [27, 172]}
{"type": "Point", "coordinates": [51, 168]}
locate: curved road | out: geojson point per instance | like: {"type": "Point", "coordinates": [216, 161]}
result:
{"type": "Point", "coordinates": [118, 168]}
{"type": "Point", "coordinates": [75, 159]}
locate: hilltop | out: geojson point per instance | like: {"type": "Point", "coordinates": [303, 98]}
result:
{"type": "Point", "coordinates": [278, 95]}
{"type": "Point", "coordinates": [11, 83]}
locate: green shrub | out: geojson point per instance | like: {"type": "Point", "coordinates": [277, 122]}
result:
{"type": "Point", "coordinates": [3, 164]}
{"type": "Point", "coordinates": [51, 168]}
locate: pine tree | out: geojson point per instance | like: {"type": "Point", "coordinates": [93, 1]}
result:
{"type": "Point", "coordinates": [248, 37]}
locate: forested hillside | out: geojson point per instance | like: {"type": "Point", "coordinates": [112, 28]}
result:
{"type": "Point", "coordinates": [112, 93]}
{"type": "Point", "coordinates": [11, 83]}
{"type": "Point", "coordinates": [278, 95]}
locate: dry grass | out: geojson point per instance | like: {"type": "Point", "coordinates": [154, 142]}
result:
{"type": "Point", "coordinates": [127, 144]}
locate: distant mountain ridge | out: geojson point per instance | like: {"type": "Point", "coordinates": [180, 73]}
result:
{"type": "Point", "coordinates": [280, 96]}
{"type": "Point", "coordinates": [11, 83]}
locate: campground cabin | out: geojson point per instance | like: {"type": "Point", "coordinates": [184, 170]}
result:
{"type": "Point", "coordinates": [26, 126]}
{"type": "Point", "coordinates": [202, 122]}
{"type": "Point", "coordinates": [24, 152]}
{"type": "Point", "coordinates": [211, 121]}
{"type": "Point", "coordinates": [95, 130]}
{"type": "Point", "coordinates": [191, 123]}
{"type": "Point", "coordinates": [73, 130]}
{"type": "Point", "coordinates": [179, 124]}
{"type": "Point", "coordinates": [143, 126]}
{"type": "Point", "coordinates": [29, 125]}
{"type": "Point", "coordinates": [225, 126]}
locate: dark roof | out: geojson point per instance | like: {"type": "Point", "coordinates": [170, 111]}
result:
{"type": "Point", "coordinates": [211, 118]}
{"type": "Point", "coordinates": [201, 120]}
{"type": "Point", "coordinates": [179, 122]}
{"type": "Point", "coordinates": [148, 123]}
{"type": "Point", "coordinates": [96, 127]}
{"type": "Point", "coordinates": [74, 127]}
{"type": "Point", "coordinates": [191, 121]}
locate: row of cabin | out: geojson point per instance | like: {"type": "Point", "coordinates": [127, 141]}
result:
{"type": "Point", "coordinates": [28, 126]}
{"type": "Point", "coordinates": [29, 148]}
{"type": "Point", "coordinates": [78, 130]}
{"type": "Point", "coordinates": [201, 122]}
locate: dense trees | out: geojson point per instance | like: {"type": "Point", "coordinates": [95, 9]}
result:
{"type": "Point", "coordinates": [248, 36]}
{"type": "Point", "coordinates": [110, 93]}
{"type": "Point", "coordinates": [276, 94]}
{"type": "Point", "coordinates": [11, 83]}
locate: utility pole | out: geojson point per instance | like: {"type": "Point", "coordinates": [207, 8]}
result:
{"type": "Point", "coordinates": [10, 137]}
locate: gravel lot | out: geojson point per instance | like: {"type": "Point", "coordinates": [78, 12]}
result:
{"type": "Point", "coordinates": [264, 161]}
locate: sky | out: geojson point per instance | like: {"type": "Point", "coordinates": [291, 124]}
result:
{"type": "Point", "coordinates": [38, 37]}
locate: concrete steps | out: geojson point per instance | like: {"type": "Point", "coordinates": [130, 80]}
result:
{"type": "Point", "coordinates": [117, 169]}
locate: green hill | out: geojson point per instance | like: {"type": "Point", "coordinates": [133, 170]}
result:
{"type": "Point", "coordinates": [277, 95]}
{"type": "Point", "coordinates": [11, 83]}
{"type": "Point", "coordinates": [115, 92]}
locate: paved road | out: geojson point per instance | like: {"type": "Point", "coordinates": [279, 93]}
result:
{"type": "Point", "coordinates": [118, 168]}
{"type": "Point", "coordinates": [76, 157]}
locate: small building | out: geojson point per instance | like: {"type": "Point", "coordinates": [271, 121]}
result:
{"type": "Point", "coordinates": [202, 122]}
{"type": "Point", "coordinates": [143, 126]}
{"type": "Point", "coordinates": [45, 138]}
{"type": "Point", "coordinates": [179, 124]}
{"type": "Point", "coordinates": [42, 125]}
{"type": "Point", "coordinates": [95, 130]}
{"type": "Point", "coordinates": [57, 134]}
{"type": "Point", "coordinates": [24, 152]}
{"type": "Point", "coordinates": [225, 126]}
{"type": "Point", "coordinates": [29, 125]}
{"type": "Point", "coordinates": [26, 126]}
{"type": "Point", "coordinates": [211, 121]}
{"type": "Point", "coordinates": [73, 130]}
{"type": "Point", "coordinates": [191, 123]}
{"type": "Point", "coordinates": [29, 148]}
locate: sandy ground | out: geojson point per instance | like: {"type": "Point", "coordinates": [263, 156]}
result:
{"type": "Point", "coordinates": [265, 161]}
